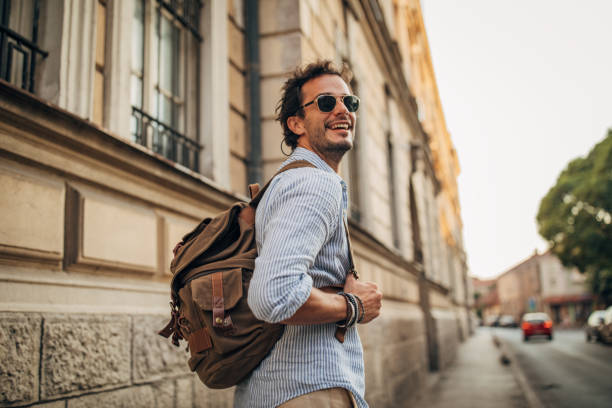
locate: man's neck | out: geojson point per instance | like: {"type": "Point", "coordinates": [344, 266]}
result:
{"type": "Point", "coordinates": [331, 158]}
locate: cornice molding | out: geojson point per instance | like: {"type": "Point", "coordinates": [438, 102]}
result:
{"type": "Point", "coordinates": [46, 121]}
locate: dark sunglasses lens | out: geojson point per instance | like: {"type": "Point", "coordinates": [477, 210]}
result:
{"type": "Point", "coordinates": [326, 103]}
{"type": "Point", "coordinates": [351, 102]}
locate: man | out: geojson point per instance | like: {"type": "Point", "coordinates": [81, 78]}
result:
{"type": "Point", "coordinates": [303, 247]}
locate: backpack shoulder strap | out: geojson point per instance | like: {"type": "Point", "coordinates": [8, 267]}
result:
{"type": "Point", "coordinates": [256, 198]}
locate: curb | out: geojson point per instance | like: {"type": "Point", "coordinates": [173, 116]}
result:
{"type": "Point", "coordinates": [509, 358]}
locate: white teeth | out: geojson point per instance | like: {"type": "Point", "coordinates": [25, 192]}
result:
{"type": "Point", "coordinates": [340, 126]}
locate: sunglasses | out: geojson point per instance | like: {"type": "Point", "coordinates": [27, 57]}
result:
{"type": "Point", "coordinates": [327, 103]}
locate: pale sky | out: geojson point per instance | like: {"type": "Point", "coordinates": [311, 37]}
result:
{"type": "Point", "coordinates": [526, 86]}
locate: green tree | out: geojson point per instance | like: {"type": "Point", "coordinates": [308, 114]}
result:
{"type": "Point", "coordinates": [575, 217]}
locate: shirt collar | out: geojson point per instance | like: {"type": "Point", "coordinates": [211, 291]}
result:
{"type": "Point", "coordinates": [301, 153]}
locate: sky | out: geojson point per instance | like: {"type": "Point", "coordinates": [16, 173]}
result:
{"type": "Point", "coordinates": [526, 86]}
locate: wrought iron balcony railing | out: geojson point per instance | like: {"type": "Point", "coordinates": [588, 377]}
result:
{"type": "Point", "coordinates": [164, 140]}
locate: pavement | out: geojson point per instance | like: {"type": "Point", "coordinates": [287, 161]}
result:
{"type": "Point", "coordinates": [483, 375]}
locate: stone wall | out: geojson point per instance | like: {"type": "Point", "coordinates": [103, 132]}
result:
{"type": "Point", "coordinates": [395, 355]}
{"type": "Point", "coordinates": [92, 360]}
{"type": "Point", "coordinates": [238, 134]}
{"type": "Point", "coordinates": [447, 336]}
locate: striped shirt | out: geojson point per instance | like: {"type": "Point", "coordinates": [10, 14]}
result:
{"type": "Point", "coordinates": [302, 244]}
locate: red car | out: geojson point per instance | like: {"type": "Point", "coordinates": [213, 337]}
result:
{"type": "Point", "coordinates": [537, 324]}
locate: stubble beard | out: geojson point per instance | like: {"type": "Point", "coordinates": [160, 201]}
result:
{"type": "Point", "coordinates": [331, 150]}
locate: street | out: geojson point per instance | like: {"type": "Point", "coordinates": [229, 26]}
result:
{"type": "Point", "coordinates": [564, 372]}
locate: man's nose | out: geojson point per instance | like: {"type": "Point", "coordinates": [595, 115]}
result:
{"type": "Point", "coordinates": [340, 107]}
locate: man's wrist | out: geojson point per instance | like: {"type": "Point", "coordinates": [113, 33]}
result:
{"type": "Point", "coordinates": [354, 310]}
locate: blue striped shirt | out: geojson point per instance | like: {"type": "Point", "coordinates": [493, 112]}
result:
{"type": "Point", "coordinates": [302, 244]}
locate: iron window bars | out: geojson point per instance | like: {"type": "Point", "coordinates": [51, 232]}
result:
{"type": "Point", "coordinates": [162, 136]}
{"type": "Point", "coordinates": [165, 140]}
{"type": "Point", "coordinates": [13, 44]}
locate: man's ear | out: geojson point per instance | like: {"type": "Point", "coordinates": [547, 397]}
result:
{"type": "Point", "coordinates": [296, 125]}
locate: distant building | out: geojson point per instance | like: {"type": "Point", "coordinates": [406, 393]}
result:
{"type": "Point", "coordinates": [565, 295]}
{"type": "Point", "coordinates": [541, 283]}
{"type": "Point", "coordinates": [519, 288]}
{"type": "Point", "coordinates": [486, 299]}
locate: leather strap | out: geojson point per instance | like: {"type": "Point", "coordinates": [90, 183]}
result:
{"type": "Point", "coordinates": [341, 331]}
{"type": "Point", "coordinates": [253, 190]}
{"type": "Point", "coordinates": [169, 328]}
{"type": "Point", "coordinates": [217, 299]}
{"type": "Point", "coordinates": [293, 165]}
{"type": "Point", "coordinates": [220, 319]}
{"type": "Point", "coordinates": [352, 269]}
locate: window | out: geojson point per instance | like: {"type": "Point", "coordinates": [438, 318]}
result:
{"type": "Point", "coordinates": [164, 78]}
{"type": "Point", "coordinates": [100, 63]}
{"type": "Point", "coordinates": [353, 166]}
{"type": "Point", "coordinates": [392, 193]}
{"type": "Point", "coordinates": [19, 53]}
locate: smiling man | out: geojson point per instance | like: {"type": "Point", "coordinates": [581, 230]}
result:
{"type": "Point", "coordinates": [302, 274]}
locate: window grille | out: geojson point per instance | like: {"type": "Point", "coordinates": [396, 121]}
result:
{"type": "Point", "coordinates": [165, 83]}
{"type": "Point", "coordinates": [18, 54]}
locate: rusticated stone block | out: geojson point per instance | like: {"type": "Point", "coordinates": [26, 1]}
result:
{"type": "Point", "coordinates": [84, 352]}
{"type": "Point", "coordinates": [207, 398]}
{"type": "Point", "coordinates": [164, 393]}
{"type": "Point", "coordinates": [154, 356]}
{"type": "Point", "coordinates": [19, 357]}
{"type": "Point", "coordinates": [184, 392]}
{"type": "Point", "coordinates": [133, 397]}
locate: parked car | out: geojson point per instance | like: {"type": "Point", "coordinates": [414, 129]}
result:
{"type": "Point", "coordinates": [535, 324]}
{"type": "Point", "coordinates": [507, 321]}
{"type": "Point", "coordinates": [606, 329]}
{"type": "Point", "coordinates": [594, 325]}
{"type": "Point", "coordinates": [491, 320]}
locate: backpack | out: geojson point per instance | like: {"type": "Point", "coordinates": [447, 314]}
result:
{"type": "Point", "coordinates": [212, 269]}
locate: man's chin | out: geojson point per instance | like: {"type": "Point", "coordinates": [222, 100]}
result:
{"type": "Point", "coordinates": [340, 147]}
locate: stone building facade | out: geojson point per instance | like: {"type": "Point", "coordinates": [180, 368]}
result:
{"type": "Point", "coordinates": [541, 283]}
{"type": "Point", "coordinates": [123, 123]}
{"type": "Point", "coordinates": [519, 288]}
{"type": "Point", "coordinates": [565, 294]}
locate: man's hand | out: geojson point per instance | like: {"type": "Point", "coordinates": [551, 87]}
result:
{"type": "Point", "coordinates": [368, 293]}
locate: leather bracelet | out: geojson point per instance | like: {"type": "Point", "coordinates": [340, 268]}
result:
{"type": "Point", "coordinates": [351, 311]}
{"type": "Point", "coordinates": [353, 320]}
{"type": "Point", "coordinates": [361, 312]}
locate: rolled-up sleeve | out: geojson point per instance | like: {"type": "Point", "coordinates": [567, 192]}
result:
{"type": "Point", "coordinates": [300, 213]}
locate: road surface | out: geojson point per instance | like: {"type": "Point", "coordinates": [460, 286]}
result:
{"type": "Point", "coordinates": [564, 372]}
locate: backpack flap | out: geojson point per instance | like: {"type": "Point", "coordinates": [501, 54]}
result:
{"type": "Point", "coordinates": [214, 232]}
{"type": "Point", "coordinates": [218, 292]}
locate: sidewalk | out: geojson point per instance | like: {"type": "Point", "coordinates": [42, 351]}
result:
{"type": "Point", "coordinates": [477, 378]}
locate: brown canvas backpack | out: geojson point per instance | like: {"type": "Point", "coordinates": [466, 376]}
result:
{"type": "Point", "coordinates": [212, 268]}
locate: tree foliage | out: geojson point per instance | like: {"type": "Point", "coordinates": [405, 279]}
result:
{"type": "Point", "coordinates": [575, 217]}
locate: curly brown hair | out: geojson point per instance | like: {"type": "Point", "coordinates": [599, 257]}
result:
{"type": "Point", "coordinates": [291, 99]}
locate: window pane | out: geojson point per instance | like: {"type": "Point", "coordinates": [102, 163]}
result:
{"type": "Point", "coordinates": [165, 111]}
{"type": "Point", "coordinates": [138, 37]}
{"type": "Point", "coordinates": [100, 34]}
{"type": "Point", "coordinates": [136, 91]}
{"type": "Point", "coordinates": [168, 56]}
{"type": "Point", "coordinates": [98, 107]}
